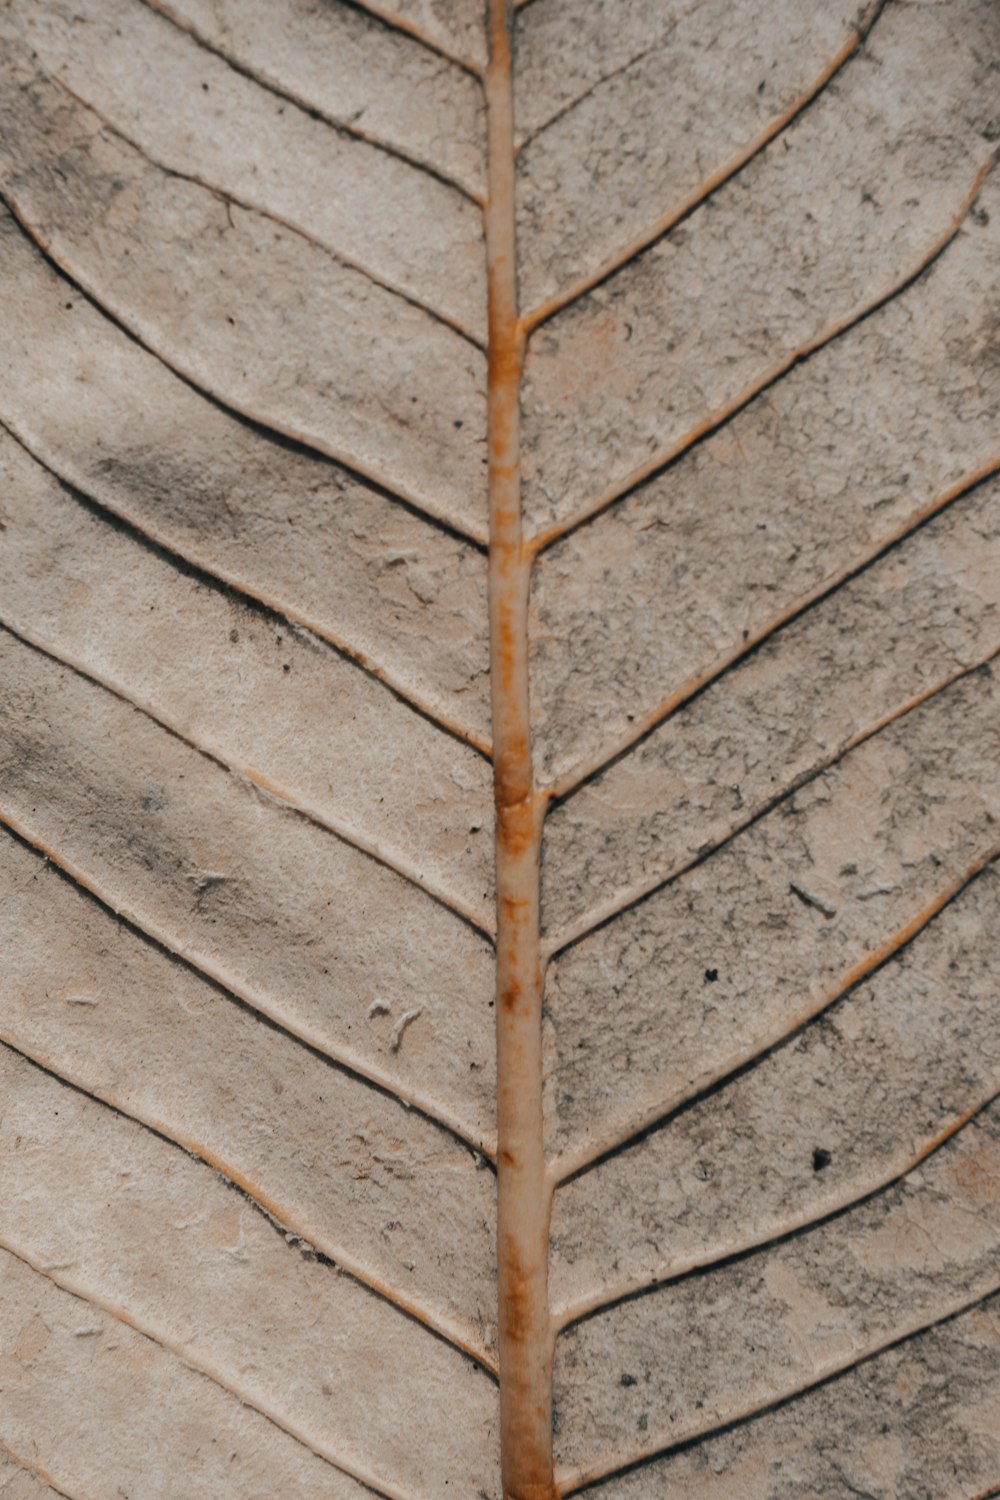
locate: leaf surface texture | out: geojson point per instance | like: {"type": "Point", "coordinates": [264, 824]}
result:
{"type": "Point", "coordinates": [499, 608]}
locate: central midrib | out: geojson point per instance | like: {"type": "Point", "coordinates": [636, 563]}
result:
{"type": "Point", "coordinates": [523, 1187]}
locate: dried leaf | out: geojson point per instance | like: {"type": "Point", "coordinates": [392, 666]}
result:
{"type": "Point", "coordinates": [500, 555]}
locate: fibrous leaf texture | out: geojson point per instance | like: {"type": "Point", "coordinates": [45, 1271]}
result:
{"type": "Point", "coordinates": [499, 600]}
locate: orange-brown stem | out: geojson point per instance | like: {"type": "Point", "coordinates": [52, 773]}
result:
{"type": "Point", "coordinates": [525, 1341]}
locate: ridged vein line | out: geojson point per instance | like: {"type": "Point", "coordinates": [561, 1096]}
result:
{"type": "Point", "coordinates": [35, 1470]}
{"type": "Point", "coordinates": [354, 838]}
{"type": "Point", "coordinates": [593, 1153]}
{"type": "Point", "coordinates": [600, 916]}
{"type": "Point", "coordinates": [248, 206]}
{"type": "Point", "coordinates": [391, 21]}
{"type": "Point", "coordinates": [587, 770]}
{"type": "Point", "coordinates": [276, 1212]}
{"type": "Point", "coordinates": [621, 489]}
{"type": "Point", "coordinates": [587, 1307]}
{"type": "Point", "coordinates": [217, 576]}
{"type": "Point", "coordinates": [202, 1368]}
{"type": "Point", "coordinates": [662, 226]}
{"type": "Point", "coordinates": [395, 22]}
{"type": "Point", "coordinates": [572, 1480]}
{"type": "Point", "coordinates": [425, 506]}
{"type": "Point", "coordinates": [339, 1056]}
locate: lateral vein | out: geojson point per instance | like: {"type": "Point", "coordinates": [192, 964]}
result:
{"type": "Point", "coordinates": [162, 8]}
{"type": "Point", "coordinates": [474, 534]}
{"type": "Point", "coordinates": [571, 1480]}
{"type": "Point", "coordinates": [341, 830]}
{"type": "Point", "coordinates": [395, 288]}
{"type": "Point", "coordinates": [280, 608]}
{"type": "Point", "coordinates": [277, 1213]}
{"type": "Point", "coordinates": [669, 454]}
{"type": "Point", "coordinates": [587, 770]}
{"type": "Point", "coordinates": [341, 1056]}
{"type": "Point", "coordinates": [203, 1368]}
{"type": "Point", "coordinates": [599, 916]}
{"type": "Point", "coordinates": [705, 189]}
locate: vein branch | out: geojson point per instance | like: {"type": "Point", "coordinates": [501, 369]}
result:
{"type": "Point", "coordinates": [244, 771]}
{"type": "Point", "coordinates": [202, 1367]}
{"type": "Point", "coordinates": [348, 127]}
{"type": "Point", "coordinates": [600, 916]}
{"type": "Point", "coordinates": [283, 1216]}
{"type": "Point", "coordinates": [572, 1480]}
{"type": "Point", "coordinates": [594, 1153]}
{"type": "Point", "coordinates": [593, 766]}
{"type": "Point", "coordinates": [337, 254]}
{"type": "Point", "coordinates": [354, 1064]}
{"type": "Point", "coordinates": [609, 1295]}
{"type": "Point", "coordinates": [705, 189]}
{"type": "Point", "coordinates": [671, 452]}
{"type": "Point", "coordinates": [36, 1470]}
{"type": "Point", "coordinates": [159, 542]}
{"type": "Point", "coordinates": [395, 22]}
{"type": "Point", "coordinates": [350, 462]}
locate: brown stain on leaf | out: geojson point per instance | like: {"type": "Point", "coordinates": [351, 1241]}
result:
{"type": "Point", "coordinates": [515, 1312]}
{"type": "Point", "coordinates": [977, 1174]}
{"type": "Point", "coordinates": [509, 996]}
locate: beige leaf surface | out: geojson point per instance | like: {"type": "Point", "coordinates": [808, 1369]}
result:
{"type": "Point", "coordinates": [499, 750]}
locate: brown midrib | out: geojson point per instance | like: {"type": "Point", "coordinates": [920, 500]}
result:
{"type": "Point", "coordinates": [523, 1187]}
